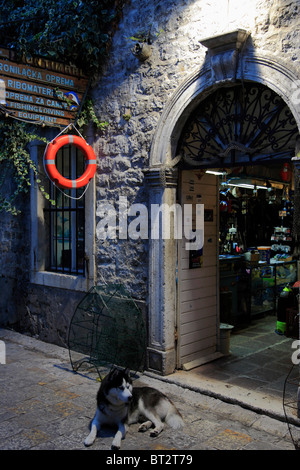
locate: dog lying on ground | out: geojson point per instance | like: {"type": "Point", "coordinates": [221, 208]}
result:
{"type": "Point", "coordinates": [121, 404]}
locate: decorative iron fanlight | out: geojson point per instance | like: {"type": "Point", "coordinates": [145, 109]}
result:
{"type": "Point", "coordinates": [239, 124]}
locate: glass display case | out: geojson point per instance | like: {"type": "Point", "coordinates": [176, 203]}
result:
{"type": "Point", "coordinates": [266, 283]}
{"type": "Point", "coordinates": [251, 288]}
{"type": "Point", "coordinates": [234, 289]}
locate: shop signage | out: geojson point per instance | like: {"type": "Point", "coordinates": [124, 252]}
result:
{"type": "Point", "coordinates": [41, 90]}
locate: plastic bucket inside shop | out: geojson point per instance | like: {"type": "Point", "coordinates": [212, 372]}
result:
{"type": "Point", "coordinates": [225, 331]}
{"type": "Point", "coordinates": [265, 253]}
{"type": "Point", "coordinates": [280, 327]}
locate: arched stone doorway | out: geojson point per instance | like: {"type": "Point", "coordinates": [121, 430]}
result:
{"type": "Point", "coordinates": [233, 130]}
{"type": "Point", "coordinates": [162, 178]}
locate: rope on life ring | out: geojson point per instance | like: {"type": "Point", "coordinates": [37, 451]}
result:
{"type": "Point", "coordinates": [50, 164]}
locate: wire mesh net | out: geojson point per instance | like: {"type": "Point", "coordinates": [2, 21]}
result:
{"type": "Point", "coordinates": [291, 404]}
{"type": "Point", "coordinates": [107, 330]}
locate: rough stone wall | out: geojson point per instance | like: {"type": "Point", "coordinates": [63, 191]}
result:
{"type": "Point", "coordinates": [14, 262]}
{"type": "Point", "coordinates": [132, 95]}
{"type": "Point", "coordinates": [48, 312]}
{"type": "Point", "coordinates": [38, 310]}
{"type": "Point", "coordinates": [280, 30]}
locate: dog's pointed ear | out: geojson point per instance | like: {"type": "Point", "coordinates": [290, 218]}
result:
{"type": "Point", "coordinates": [113, 372]}
{"type": "Point", "coordinates": [127, 372]}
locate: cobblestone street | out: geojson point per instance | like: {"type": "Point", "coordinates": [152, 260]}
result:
{"type": "Point", "coordinates": [45, 406]}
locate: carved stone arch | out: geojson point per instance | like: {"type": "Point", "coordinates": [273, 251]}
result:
{"type": "Point", "coordinates": [162, 178]}
{"type": "Point", "coordinates": [266, 70]}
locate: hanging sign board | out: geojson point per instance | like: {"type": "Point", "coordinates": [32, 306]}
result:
{"type": "Point", "coordinates": [41, 90]}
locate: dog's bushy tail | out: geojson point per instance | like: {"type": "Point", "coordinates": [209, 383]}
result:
{"type": "Point", "coordinates": [174, 418]}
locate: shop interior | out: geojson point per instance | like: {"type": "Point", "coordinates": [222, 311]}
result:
{"type": "Point", "coordinates": [258, 253]}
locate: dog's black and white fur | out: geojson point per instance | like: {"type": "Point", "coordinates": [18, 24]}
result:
{"type": "Point", "coordinates": [121, 404]}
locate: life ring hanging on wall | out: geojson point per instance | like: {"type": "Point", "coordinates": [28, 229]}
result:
{"type": "Point", "coordinates": [50, 165]}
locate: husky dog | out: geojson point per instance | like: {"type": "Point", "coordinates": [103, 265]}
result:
{"type": "Point", "coordinates": [118, 403]}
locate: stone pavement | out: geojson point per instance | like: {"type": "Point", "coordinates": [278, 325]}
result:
{"type": "Point", "coordinates": [254, 374]}
{"type": "Point", "coordinates": [44, 405]}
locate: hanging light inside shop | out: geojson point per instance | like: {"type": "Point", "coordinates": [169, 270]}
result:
{"type": "Point", "coordinates": [247, 186]}
{"type": "Point", "coordinates": [216, 172]}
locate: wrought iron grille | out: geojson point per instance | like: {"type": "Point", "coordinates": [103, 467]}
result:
{"type": "Point", "coordinates": [66, 220]}
{"type": "Point", "coordinates": [240, 124]}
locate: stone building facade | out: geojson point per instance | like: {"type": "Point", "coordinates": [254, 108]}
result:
{"type": "Point", "coordinates": [146, 104]}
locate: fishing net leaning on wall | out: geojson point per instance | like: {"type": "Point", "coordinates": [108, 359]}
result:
{"type": "Point", "coordinates": [107, 330]}
{"type": "Point", "coordinates": [291, 404]}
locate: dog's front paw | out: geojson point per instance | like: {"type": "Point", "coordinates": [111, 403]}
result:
{"type": "Point", "coordinates": [155, 432]}
{"type": "Point", "coordinates": [115, 447]}
{"type": "Point", "coordinates": [89, 441]}
{"type": "Point", "coordinates": [143, 427]}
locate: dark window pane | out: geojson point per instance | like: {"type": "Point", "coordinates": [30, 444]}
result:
{"type": "Point", "coordinates": [67, 220]}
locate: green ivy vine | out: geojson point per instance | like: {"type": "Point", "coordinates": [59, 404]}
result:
{"type": "Point", "coordinates": [88, 115]}
{"type": "Point", "coordinates": [72, 31]}
{"type": "Point", "coordinates": [75, 32]}
{"type": "Point", "coordinates": [16, 164]}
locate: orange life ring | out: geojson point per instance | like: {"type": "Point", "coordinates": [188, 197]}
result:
{"type": "Point", "coordinates": [50, 165]}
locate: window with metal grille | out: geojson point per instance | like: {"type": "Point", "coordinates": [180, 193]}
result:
{"type": "Point", "coordinates": [66, 220]}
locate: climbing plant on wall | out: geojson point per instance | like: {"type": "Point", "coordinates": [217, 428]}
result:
{"type": "Point", "coordinates": [72, 31]}
{"type": "Point", "coordinates": [15, 163]}
{"type": "Point", "coordinates": [78, 32]}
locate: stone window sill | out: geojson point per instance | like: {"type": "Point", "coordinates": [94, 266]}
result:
{"type": "Point", "coordinates": [61, 281]}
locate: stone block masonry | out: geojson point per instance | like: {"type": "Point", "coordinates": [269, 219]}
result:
{"type": "Point", "coordinates": [134, 97]}
{"type": "Point", "coordinates": [14, 261]}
